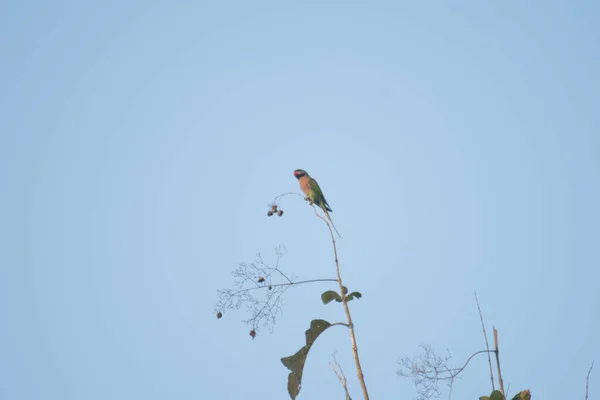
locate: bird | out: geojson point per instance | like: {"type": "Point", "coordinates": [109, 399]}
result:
{"type": "Point", "coordinates": [313, 193]}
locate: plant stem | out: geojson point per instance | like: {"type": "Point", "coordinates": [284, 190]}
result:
{"type": "Point", "coordinates": [361, 376]}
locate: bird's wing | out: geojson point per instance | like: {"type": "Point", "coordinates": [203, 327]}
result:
{"type": "Point", "coordinates": [314, 186]}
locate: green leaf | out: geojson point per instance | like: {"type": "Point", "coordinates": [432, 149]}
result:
{"type": "Point", "coordinates": [296, 362]}
{"type": "Point", "coordinates": [329, 296]}
{"type": "Point", "coordinates": [484, 398]}
{"type": "Point", "coordinates": [353, 295]}
{"type": "Point", "coordinates": [522, 395]}
{"type": "Point", "coordinates": [496, 395]}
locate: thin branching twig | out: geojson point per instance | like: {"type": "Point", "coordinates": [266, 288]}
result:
{"type": "Point", "coordinates": [341, 376]}
{"type": "Point", "coordinates": [271, 281]}
{"type": "Point", "coordinates": [428, 369]}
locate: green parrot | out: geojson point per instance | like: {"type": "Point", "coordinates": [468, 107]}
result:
{"type": "Point", "coordinates": [313, 193]}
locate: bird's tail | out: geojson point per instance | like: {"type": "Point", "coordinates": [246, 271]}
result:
{"type": "Point", "coordinates": [332, 224]}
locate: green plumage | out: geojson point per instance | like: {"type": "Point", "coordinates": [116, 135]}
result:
{"type": "Point", "coordinates": [316, 195]}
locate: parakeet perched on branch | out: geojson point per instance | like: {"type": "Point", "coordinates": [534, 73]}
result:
{"type": "Point", "coordinates": [313, 193]}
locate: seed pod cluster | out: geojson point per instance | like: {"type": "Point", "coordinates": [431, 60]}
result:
{"type": "Point", "coordinates": [274, 210]}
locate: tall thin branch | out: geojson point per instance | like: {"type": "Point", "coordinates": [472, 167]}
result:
{"type": "Point", "coordinates": [487, 346]}
{"type": "Point", "coordinates": [587, 380]}
{"type": "Point", "coordinates": [497, 352]}
{"type": "Point", "coordinates": [361, 376]}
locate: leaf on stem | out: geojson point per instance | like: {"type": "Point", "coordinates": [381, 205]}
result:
{"type": "Point", "coordinates": [330, 295]}
{"type": "Point", "coordinates": [296, 362]}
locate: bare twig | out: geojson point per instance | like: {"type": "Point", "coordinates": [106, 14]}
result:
{"type": "Point", "coordinates": [487, 346]}
{"type": "Point", "coordinates": [587, 380]}
{"type": "Point", "coordinates": [361, 376]}
{"type": "Point", "coordinates": [340, 324]}
{"type": "Point", "coordinates": [497, 352]}
{"type": "Point", "coordinates": [341, 376]}
{"type": "Point", "coordinates": [278, 198]}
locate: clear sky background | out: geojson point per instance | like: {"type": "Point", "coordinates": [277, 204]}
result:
{"type": "Point", "coordinates": [141, 143]}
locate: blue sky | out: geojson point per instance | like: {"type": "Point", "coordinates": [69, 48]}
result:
{"type": "Point", "coordinates": [141, 142]}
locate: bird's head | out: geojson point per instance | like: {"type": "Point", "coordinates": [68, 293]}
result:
{"type": "Point", "coordinates": [299, 173]}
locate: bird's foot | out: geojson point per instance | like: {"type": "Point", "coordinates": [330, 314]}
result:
{"type": "Point", "coordinates": [310, 203]}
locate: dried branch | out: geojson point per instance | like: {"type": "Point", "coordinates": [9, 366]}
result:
{"type": "Point", "coordinates": [587, 380]}
{"type": "Point", "coordinates": [341, 376]}
{"type": "Point", "coordinates": [487, 346]}
{"type": "Point", "coordinates": [497, 352]}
